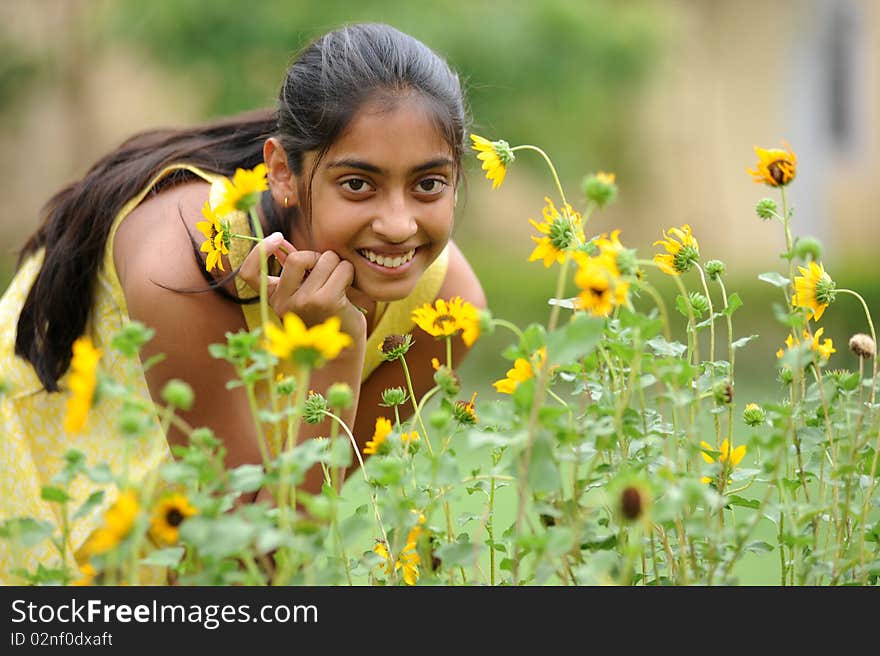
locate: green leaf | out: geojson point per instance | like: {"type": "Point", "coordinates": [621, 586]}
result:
{"type": "Point", "coordinates": [246, 478]}
{"type": "Point", "coordinates": [459, 554]}
{"type": "Point", "coordinates": [661, 347]}
{"type": "Point", "coordinates": [447, 472]}
{"type": "Point", "coordinates": [759, 546]}
{"type": "Point", "coordinates": [100, 474]}
{"type": "Point", "coordinates": [353, 528]}
{"type": "Point", "coordinates": [26, 530]}
{"type": "Point", "coordinates": [574, 340]}
{"type": "Point", "coordinates": [49, 493]}
{"type": "Point", "coordinates": [742, 341]}
{"type": "Point", "coordinates": [543, 471]}
{"type": "Point", "coordinates": [735, 500]}
{"type": "Point", "coordinates": [94, 500]}
{"type": "Point", "coordinates": [734, 302]}
{"type": "Point", "coordinates": [169, 557]}
{"type": "Point", "coordinates": [774, 278]}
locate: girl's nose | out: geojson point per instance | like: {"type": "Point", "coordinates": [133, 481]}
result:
{"type": "Point", "coordinates": [396, 222]}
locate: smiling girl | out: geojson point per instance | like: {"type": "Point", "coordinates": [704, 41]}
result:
{"type": "Point", "coordinates": [363, 155]}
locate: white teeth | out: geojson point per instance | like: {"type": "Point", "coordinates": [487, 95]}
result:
{"type": "Point", "coordinates": [388, 261]}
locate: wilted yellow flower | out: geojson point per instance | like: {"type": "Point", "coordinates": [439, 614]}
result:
{"type": "Point", "coordinates": [624, 259]}
{"type": "Point", "coordinates": [216, 243]}
{"type": "Point", "coordinates": [521, 372]}
{"type": "Point", "coordinates": [380, 434]}
{"type": "Point", "coordinates": [682, 251]}
{"type": "Point", "coordinates": [561, 232]}
{"type": "Point", "coordinates": [242, 192]}
{"type": "Point", "coordinates": [731, 458]}
{"type": "Point", "coordinates": [602, 288]}
{"type": "Point", "coordinates": [495, 155]}
{"type": "Point", "coordinates": [825, 349]}
{"type": "Point", "coordinates": [306, 346]}
{"type": "Point", "coordinates": [446, 318]}
{"type": "Point", "coordinates": [814, 290]}
{"type": "Point", "coordinates": [776, 167]}
{"type": "Point", "coordinates": [408, 438]}
{"type": "Point", "coordinates": [168, 515]}
{"type": "Point", "coordinates": [464, 411]}
{"type": "Point", "coordinates": [81, 381]}
{"type": "Point", "coordinates": [118, 522]}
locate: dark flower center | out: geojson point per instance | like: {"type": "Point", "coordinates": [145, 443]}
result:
{"type": "Point", "coordinates": [174, 517]}
{"type": "Point", "coordinates": [778, 171]}
{"type": "Point", "coordinates": [631, 503]}
{"type": "Point", "coordinates": [442, 319]}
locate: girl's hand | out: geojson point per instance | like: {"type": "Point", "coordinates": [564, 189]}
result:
{"type": "Point", "coordinates": [312, 285]}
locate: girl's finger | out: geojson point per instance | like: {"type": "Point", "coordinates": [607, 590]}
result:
{"type": "Point", "coordinates": [250, 268]}
{"type": "Point", "coordinates": [285, 250]}
{"type": "Point", "coordinates": [295, 267]}
{"type": "Point", "coordinates": [320, 273]}
{"type": "Point", "coordinates": [340, 280]}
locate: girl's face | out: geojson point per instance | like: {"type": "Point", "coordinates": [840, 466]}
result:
{"type": "Point", "coordinates": [383, 197]}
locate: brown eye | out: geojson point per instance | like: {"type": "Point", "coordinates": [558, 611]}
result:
{"type": "Point", "coordinates": [356, 185]}
{"type": "Point", "coordinates": [431, 185]}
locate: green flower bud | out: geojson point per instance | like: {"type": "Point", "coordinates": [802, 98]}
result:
{"type": "Point", "coordinates": [628, 262]}
{"type": "Point", "coordinates": [785, 375]}
{"type": "Point", "coordinates": [808, 248]}
{"type": "Point", "coordinates": [285, 385]}
{"type": "Point", "coordinates": [464, 412]}
{"type": "Point", "coordinates": [178, 394]}
{"type": "Point", "coordinates": [600, 188]}
{"type": "Point", "coordinates": [393, 396]}
{"type": "Point", "coordinates": [754, 415]}
{"type": "Point", "coordinates": [130, 422]}
{"type": "Point", "coordinates": [447, 380]}
{"type": "Point", "coordinates": [504, 152]}
{"type": "Point", "coordinates": [766, 208]}
{"type": "Point", "coordinates": [715, 269]}
{"type": "Point", "coordinates": [314, 408]}
{"type": "Point", "coordinates": [487, 325]}
{"type": "Point", "coordinates": [340, 396]}
{"type": "Point", "coordinates": [699, 303]}
{"type": "Point", "coordinates": [723, 391]}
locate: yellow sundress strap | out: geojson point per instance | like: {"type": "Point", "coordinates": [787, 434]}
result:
{"type": "Point", "coordinates": [109, 267]}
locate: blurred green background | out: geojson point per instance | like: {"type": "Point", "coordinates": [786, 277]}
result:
{"type": "Point", "coordinates": [670, 95]}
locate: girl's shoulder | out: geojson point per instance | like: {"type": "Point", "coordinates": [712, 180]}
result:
{"type": "Point", "coordinates": [461, 280]}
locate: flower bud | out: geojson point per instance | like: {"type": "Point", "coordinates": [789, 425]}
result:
{"type": "Point", "coordinates": [631, 503]}
{"type": "Point", "coordinates": [600, 188]}
{"type": "Point", "coordinates": [340, 396]}
{"type": "Point", "coordinates": [487, 325]}
{"type": "Point", "coordinates": [447, 380]}
{"type": "Point", "coordinates": [699, 303]}
{"type": "Point", "coordinates": [766, 208]}
{"type": "Point", "coordinates": [285, 385]}
{"type": "Point", "coordinates": [723, 391]}
{"type": "Point", "coordinates": [393, 396]}
{"type": "Point", "coordinates": [808, 248]}
{"type": "Point", "coordinates": [862, 345]}
{"type": "Point", "coordinates": [395, 346]}
{"type": "Point", "coordinates": [715, 269]}
{"type": "Point", "coordinates": [178, 394]}
{"type": "Point", "coordinates": [314, 408]}
{"type": "Point", "coordinates": [754, 415]}
{"type": "Point", "coordinates": [464, 412]}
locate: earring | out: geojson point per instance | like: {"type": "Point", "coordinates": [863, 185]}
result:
{"type": "Point", "coordinates": [285, 202]}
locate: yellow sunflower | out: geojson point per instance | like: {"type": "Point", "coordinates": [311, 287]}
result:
{"type": "Point", "coordinates": [814, 290]}
{"type": "Point", "coordinates": [242, 192]}
{"type": "Point", "coordinates": [776, 167]}
{"type": "Point", "coordinates": [495, 155]}
{"type": "Point", "coordinates": [731, 457]}
{"type": "Point", "coordinates": [118, 522]}
{"type": "Point", "coordinates": [602, 288]}
{"type": "Point", "coordinates": [167, 517]}
{"type": "Point", "coordinates": [465, 412]}
{"type": "Point", "coordinates": [561, 232]}
{"type": "Point", "coordinates": [306, 346]}
{"type": "Point", "coordinates": [82, 381]}
{"type": "Point", "coordinates": [380, 435]}
{"type": "Point", "coordinates": [624, 259]}
{"type": "Point", "coordinates": [682, 251]}
{"type": "Point", "coordinates": [825, 349]}
{"type": "Point", "coordinates": [447, 318]}
{"type": "Point", "coordinates": [521, 372]}
{"type": "Point", "coordinates": [217, 239]}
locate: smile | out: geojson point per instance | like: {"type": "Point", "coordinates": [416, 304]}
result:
{"type": "Point", "coordinates": [388, 261]}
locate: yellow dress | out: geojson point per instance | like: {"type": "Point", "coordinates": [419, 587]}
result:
{"type": "Point", "coordinates": [32, 439]}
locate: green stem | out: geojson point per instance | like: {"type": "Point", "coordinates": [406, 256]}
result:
{"type": "Point", "coordinates": [549, 163]}
{"type": "Point", "coordinates": [415, 405]}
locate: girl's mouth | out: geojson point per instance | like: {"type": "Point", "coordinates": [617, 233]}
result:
{"type": "Point", "coordinates": [388, 263]}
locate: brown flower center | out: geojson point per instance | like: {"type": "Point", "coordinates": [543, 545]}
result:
{"type": "Point", "coordinates": [631, 503]}
{"type": "Point", "coordinates": [778, 171]}
{"type": "Point", "coordinates": [442, 319]}
{"type": "Point", "coordinates": [174, 517]}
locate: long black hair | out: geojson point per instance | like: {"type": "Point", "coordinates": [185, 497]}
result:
{"type": "Point", "coordinates": [323, 89]}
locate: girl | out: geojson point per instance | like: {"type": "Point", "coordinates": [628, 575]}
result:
{"type": "Point", "coordinates": [364, 160]}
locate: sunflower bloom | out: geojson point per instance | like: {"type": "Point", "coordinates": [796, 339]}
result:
{"type": "Point", "coordinates": [602, 288]}
{"type": "Point", "coordinates": [306, 346]}
{"type": "Point", "coordinates": [447, 318]}
{"type": "Point", "coordinates": [776, 167]}
{"type": "Point", "coordinates": [409, 438]}
{"type": "Point", "coordinates": [81, 381]}
{"type": "Point", "coordinates": [380, 435]}
{"type": "Point", "coordinates": [561, 231]}
{"type": "Point", "coordinates": [118, 522]}
{"type": "Point", "coordinates": [495, 155]}
{"type": "Point", "coordinates": [814, 290]}
{"type": "Point", "coordinates": [682, 251]}
{"type": "Point", "coordinates": [624, 258]}
{"type": "Point", "coordinates": [729, 457]}
{"type": "Point", "coordinates": [217, 239]}
{"type": "Point", "coordinates": [408, 560]}
{"type": "Point", "coordinates": [825, 349]}
{"type": "Point", "coordinates": [242, 192]}
{"type": "Point", "coordinates": [521, 372]}
{"type": "Point", "coordinates": [167, 517]}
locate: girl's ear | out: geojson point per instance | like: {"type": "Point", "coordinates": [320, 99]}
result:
{"type": "Point", "coordinates": [282, 181]}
